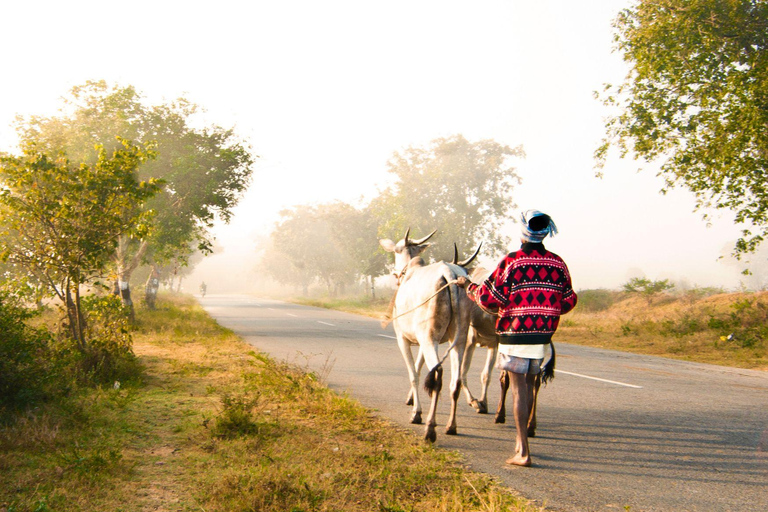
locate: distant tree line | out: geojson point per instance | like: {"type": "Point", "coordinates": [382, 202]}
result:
{"type": "Point", "coordinates": [111, 184]}
{"type": "Point", "coordinates": [460, 188]}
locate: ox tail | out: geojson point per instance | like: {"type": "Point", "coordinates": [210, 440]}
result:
{"type": "Point", "coordinates": [433, 382]}
{"type": "Point", "coordinates": [548, 371]}
{"type": "Point", "coordinates": [390, 309]}
{"type": "Point", "coordinates": [453, 302]}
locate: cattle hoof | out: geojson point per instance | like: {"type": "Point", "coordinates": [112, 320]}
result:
{"type": "Point", "coordinates": [481, 408]}
{"type": "Point", "coordinates": [410, 400]}
{"type": "Point", "coordinates": [531, 433]}
{"type": "Point", "coordinates": [416, 418]}
{"type": "Point", "coordinates": [500, 419]}
{"type": "Point", "coordinates": [452, 431]}
{"type": "Point", "coordinates": [430, 436]}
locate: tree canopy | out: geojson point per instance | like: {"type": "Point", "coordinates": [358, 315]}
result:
{"type": "Point", "coordinates": [62, 222]}
{"type": "Point", "coordinates": [696, 98]}
{"type": "Point", "coordinates": [204, 169]}
{"type": "Point", "coordinates": [461, 188]}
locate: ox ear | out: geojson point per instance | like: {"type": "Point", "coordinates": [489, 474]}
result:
{"type": "Point", "coordinates": [387, 244]}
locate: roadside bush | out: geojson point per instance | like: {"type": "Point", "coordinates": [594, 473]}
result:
{"type": "Point", "coordinates": [108, 356]}
{"type": "Point", "coordinates": [25, 362]}
{"type": "Point", "coordinates": [592, 301]}
{"type": "Point", "coordinates": [746, 325]}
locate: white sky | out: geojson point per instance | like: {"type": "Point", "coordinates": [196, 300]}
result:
{"type": "Point", "coordinates": [326, 91]}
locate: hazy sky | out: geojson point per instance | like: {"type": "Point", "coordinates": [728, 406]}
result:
{"type": "Point", "coordinates": [325, 92]}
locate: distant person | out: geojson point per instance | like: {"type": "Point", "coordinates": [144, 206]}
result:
{"type": "Point", "coordinates": [203, 289]}
{"type": "Point", "coordinates": [529, 290]}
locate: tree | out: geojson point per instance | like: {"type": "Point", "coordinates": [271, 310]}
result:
{"type": "Point", "coordinates": [308, 238]}
{"type": "Point", "coordinates": [696, 97]}
{"type": "Point", "coordinates": [204, 170]}
{"type": "Point", "coordinates": [462, 189]}
{"type": "Point", "coordinates": [647, 288]}
{"type": "Point", "coordinates": [62, 222]}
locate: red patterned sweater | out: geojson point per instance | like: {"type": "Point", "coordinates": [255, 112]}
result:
{"type": "Point", "coordinates": [529, 290]}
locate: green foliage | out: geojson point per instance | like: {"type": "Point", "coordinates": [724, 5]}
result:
{"type": "Point", "coordinates": [647, 288]}
{"type": "Point", "coordinates": [237, 417]}
{"type": "Point", "coordinates": [746, 326]}
{"type": "Point", "coordinates": [333, 243]}
{"type": "Point", "coordinates": [204, 169]}
{"type": "Point", "coordinates": [697, 98]}
{"type": "Point", "coordinates": [26, 369]}
{"type": "Point", "coordinates": [109, 356]}
{"type": "Point", "coordinates": [61, 222]}
{"type": "Point", "coordinates": [596, 300]}
{"type": "Point", "coordinates": [461, 188]}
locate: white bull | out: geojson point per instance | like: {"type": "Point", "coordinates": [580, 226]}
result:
{"type": "Point", "coordinates": [428, 309]}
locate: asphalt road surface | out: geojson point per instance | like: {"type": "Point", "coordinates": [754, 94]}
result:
{"type": "Point", "coordinates": [617, 431]}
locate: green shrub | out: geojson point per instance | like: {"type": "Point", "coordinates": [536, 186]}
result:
{"type": "Point", "coordinates": [108, 355]}
{"type": "Point", "coordinates": [236, 418]}
{"type": "Point", "coordinates": [593, 301]}
{"type": "Point", "coordinates": [25, 363]}
{"type": "Point", "coordinates": [746, 325]}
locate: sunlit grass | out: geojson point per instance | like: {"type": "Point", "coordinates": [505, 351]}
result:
{"type": "Point", "coordinates": [216, 426]}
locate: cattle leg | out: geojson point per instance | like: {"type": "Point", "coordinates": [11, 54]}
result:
{"type": "Point", "coordinates": [457, 356]}
{"type": "Point", "coordinates": [501, 411]}
{"type": "Point", "coordinates": [433, 383]}
{"type": "Point", "coordinates": [419, 364]}
{"type": "Point", "coordinates": [466, 363]}
{"type": "Point", "coordinates": [485, 379]}
{"type": "Point", "coordinates": [405, 349]}
{"type": "Point", "coordinates": [534, 399]}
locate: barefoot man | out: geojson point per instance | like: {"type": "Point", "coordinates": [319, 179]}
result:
{"type": "Point", "coordinates": [529, 290]}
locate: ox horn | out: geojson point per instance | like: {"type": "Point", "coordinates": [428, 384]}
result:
{"type": "Point", "coordinates": [466, 262]}
{"type": "Point", "coordinates": [422, 240]}
{"type": "Point", "coordinates": [455, 254]}
{"type": "Point", "coordinates": [407, 232]}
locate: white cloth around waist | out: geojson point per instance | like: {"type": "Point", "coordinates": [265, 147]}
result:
{"type": "Point", "coordinates": [526, 351]}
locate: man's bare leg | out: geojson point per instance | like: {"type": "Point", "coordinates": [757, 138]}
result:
{"type": "Point", "coordinates": [521, 392]}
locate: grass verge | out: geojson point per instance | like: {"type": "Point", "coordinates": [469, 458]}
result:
{"type": "Point", "coordinates": [215, 426]}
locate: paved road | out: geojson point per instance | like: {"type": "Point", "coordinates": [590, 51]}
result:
{"type": "Point", "coordinates": [615, 430]}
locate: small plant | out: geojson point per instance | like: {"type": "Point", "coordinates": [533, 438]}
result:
{"type": "Point", "coordinates": [236, 417]}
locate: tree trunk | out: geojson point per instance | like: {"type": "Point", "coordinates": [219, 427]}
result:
{"type": "Point", "coordinates": [125, 265]}
{"type": "Point", "coordinates": [151, 287]}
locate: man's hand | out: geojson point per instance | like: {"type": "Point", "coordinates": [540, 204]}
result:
{"type": "Point", "coordinates": [462, 281]}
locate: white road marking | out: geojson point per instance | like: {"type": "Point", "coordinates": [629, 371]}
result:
{"type": "Point", "coordinates": [326, 323]}
{"type": "Point", "coordinates": [291, 314]}
{"type": "Point", "coordinates": [386, 336]}
{"type": "Point", "coordinates": [601, 380]}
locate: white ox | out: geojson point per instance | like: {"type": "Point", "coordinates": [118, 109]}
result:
{"type": "Point", "coordinates": [428, 309]}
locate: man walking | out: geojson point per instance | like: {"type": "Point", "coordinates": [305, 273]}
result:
{"type": "Point", "coordinates": [529, 290]}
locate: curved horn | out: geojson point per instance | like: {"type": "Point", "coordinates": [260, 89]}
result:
{"type": "Point", "coordinates": [471, 258]}
{"type": "Point", "coordinates": [421, 241]}
{"type": "Point", "coordinates": [407, 232]}
{"type": "Point", "coordinates": [455, 254]}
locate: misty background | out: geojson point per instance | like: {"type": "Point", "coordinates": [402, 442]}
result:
{"type": "Point", "coordinates": [326, 92]}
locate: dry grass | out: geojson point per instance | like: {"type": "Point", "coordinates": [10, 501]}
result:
{"type": "Point", "coordinates": [678, 327]}
{"type": "Point", "coordinates": [217, 427]}
{"type": "Point", "coordinates": [687, 326]}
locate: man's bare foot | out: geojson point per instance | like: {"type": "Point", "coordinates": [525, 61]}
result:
{"type": "Point", "coordinates": [519, 460]}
